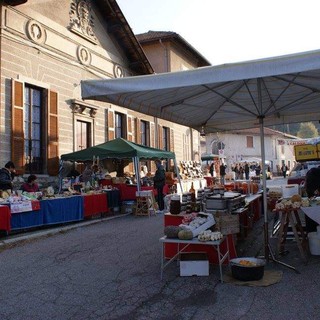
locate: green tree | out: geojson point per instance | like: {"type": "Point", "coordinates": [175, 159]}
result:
{"type": "Point", "coordinates": [307, 130]}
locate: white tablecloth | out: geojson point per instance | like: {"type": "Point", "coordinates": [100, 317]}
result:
{"type": "Point", "coordinates": [312, 212]}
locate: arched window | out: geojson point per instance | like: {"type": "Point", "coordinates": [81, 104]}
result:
{"type": "Point", "coordinates": [216, 146]}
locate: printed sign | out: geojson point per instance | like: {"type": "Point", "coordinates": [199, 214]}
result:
{"type": "Point", "coordinates": [306, 152]}
{"type": "Point", "coordinates": [20, 206]}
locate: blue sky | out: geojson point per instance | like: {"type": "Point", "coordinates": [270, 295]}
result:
{"type": "Point", "coordinates": [225, 31]}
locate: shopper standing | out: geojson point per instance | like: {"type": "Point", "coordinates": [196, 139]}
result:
{"type": "Point", "coordinates": [246, 170]}
{"type": "Point", "coordinates": [222, 173]}
{"type": "Point", "coordinates": [159, 180]}
{"type": "Point", "coordinates": [6, 176]}
{"type": "Point", "coordinates": [284, 170]}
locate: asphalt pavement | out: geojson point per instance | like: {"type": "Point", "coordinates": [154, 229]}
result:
{"type": "Point", "coordinates": [110, 269]}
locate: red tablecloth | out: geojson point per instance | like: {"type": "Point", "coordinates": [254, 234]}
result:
{"type": "Point", "coordinates": [5, 217]}
{"type": "Point", "coordinates": [94, 204]}
{"type": "Point", "coordinates": [172, 248]}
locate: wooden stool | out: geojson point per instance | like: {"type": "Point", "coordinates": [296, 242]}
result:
{"type": "Point", "coordinates": [146, 204]}
{"type": "Point", "coordinates": [291, 216]}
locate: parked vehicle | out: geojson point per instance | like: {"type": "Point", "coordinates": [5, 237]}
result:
{"type": "Point", "coordinates": [299, 171]}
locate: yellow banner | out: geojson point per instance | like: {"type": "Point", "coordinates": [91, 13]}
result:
{"type": "Point", "coordinates": [306, 152]}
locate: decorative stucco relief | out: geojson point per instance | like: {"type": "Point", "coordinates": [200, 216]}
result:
{"type": "Point", "coordinates": [35, 32]}
{"type": "Point", "coordinates": [84, 56]}
{"type": "Point", "coordinates": [81, 19]}
{"type": "Point", "coordinates": [79, 107]}
{"type": "Point", "coordinates": [118, 71]}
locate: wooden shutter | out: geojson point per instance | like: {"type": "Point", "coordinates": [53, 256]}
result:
{"type": "Point", "coordinates": [152, 135]}
{"type": "Point", "coordinates": [17, 134]}
{"type": "Point", "coordinates": [171, 137]}
{"type": "Point", "coordinates": [53, 134]}
{"type": "Point", "coordinates": [110, 125]}
{"type": "Point", "coordinates": [138, 133]}
{"type": "Point", "coordinates": [129, 126]}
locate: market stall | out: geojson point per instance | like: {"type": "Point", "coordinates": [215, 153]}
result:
{"type": "Point", "coordinates": [253, 94]}
{"type": "Point", "coordinates": [121, 149]}
{"type": "Point", "coordinates": [48, 212]}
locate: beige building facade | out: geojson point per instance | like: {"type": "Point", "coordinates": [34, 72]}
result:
{"type": "Point", "coordinates": [169, 52]}
{"type": "Point", "coordinates": [47, 48]}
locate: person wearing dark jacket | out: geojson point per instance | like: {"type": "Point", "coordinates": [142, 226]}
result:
{"type": "Point", "coordinates": [6, 176]}
{"type": "Point", "coordinates": [159, 180]}
{"type": "Point", "coordinates": [246, 170]}
{"type": "Point", "coordinates": [222, 173]}
{"type": "Point", "coordinates": [312, 187]}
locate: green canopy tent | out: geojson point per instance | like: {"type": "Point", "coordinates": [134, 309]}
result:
{"type": "Point", "coordinates": [122, 149]}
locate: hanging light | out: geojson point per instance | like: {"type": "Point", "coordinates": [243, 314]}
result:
{"type": "Point", "coordinates": [202, 132]}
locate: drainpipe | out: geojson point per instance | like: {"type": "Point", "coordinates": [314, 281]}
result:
{"type": "Point", "coordinates": [191, 144]}
{"type": "Point", "coordinates": [156, 133]}
{"type": "Point", "coordinates": [166, 59]}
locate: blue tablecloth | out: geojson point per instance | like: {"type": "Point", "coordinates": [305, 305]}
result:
{"type": "Point", "coordinates": [51, 211]}
{"type": "Point", "coordinates": [24, 220]}
{"type": "Point", "coordinates": [62, 210]}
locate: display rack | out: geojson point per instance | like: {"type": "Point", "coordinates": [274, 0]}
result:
{"type": "Point", "coordinates": [146, 203]}
{"type": "Point", "coordinates": [291, 216]}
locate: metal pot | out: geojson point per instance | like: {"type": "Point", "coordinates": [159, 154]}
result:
{"type": "Point", "coordinates": [253, 270]}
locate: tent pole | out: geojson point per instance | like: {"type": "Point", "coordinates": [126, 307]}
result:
{"type": "Point", "coordinates": [264, 188]}
{"type": "Point", "coordinates": [136, 168]}
{"type": "Point", "coordinates": [268, 253]}
{"type": "Point", "coordinates": [60, 175]}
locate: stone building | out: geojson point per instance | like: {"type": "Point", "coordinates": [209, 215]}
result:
{"type": "Point", "coordinates": [47, 48]}
{"type": "Point", "coordinates": [167, 51]}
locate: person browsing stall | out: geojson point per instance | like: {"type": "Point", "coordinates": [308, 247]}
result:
{"type": "Point", "coordinates": [6, 176]}
{"type": "Point", "coordinates": [159, 180]}
{"type": "Point", "coordinates": [30, 185]}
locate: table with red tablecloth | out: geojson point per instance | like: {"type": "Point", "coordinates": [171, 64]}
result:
{"type": "Point", "coordinates": [210, 181]}
{"type": "Point", "coordinates": [94, 204]}
{"type": "Point", "coordinates": [171, 249]}
{"type": "Point", "coordinates": [128, 191]}
{"type": "Point", "coordinates": [5, 217]}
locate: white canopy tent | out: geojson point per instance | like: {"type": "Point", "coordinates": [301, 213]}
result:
{"type": "Point", "coordinates": [243, 95]}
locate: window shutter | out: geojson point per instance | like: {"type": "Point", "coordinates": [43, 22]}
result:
{"type": "Point", "coordinates": [171, 140]}
{"type": "Point", "coordinates": [110, 125]}
{"type": "Point", "coordinates": [152, 135]}
{"type": "Point", "coordinates": [138, 133]}
{"type": "Point", "coordinates": [17, 134]}
{"type": "Point", "coordinates": [53, 134]}
{"type": "Point", "coordinates": [129, 126]}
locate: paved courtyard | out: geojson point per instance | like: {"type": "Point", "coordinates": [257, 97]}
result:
{"type": "Point", "coordinates": [111, 270]}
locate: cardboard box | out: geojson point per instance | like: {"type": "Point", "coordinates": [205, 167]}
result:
{"type": "Point", "coordinates": [194, 264]}
{"type": "Point", "coordinates": [289, 190]}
